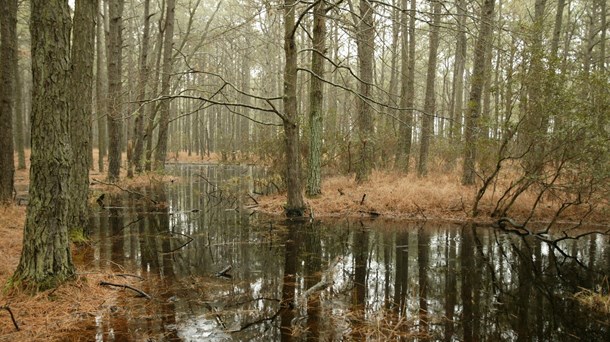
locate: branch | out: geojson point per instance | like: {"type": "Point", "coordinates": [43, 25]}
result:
{"type": "Point", "coordinates": [7, 308]}
{"type": "Point", "coordinates": [140, 292]}
{"type": "Point", "coordinates": [126, 190]}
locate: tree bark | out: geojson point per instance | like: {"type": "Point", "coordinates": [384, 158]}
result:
{"type": "Point", "coordinates": [100, 90]}
{"type": "Point", "coordinates": [8, 70]}
{"type": "Point", "coordinates": [365, 39]}
{"type": "Point", "coordinates": [316, 99]}
{"type": "Point", "coordinates": [479, 75]}
{"type": "Point", "coordinates": [168, 44]}
{"type": "Point", "coordinates": [295, 205]}
{"type": "Point", "coordinates": [114, 101]}
{"type": "Point", "coordinates": [81, 103]}
{"type": "Point", "coordinates": [138, 132]}
{"type": "Point", "coordinates": [46, 260]}
{"type": "Point", "coordinates": [430, 99]}
{"type": "Point", "coordinates": [407, 88]}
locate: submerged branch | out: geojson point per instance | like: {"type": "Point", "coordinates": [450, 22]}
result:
{"type": "Point", "coordinates": [140, 292]}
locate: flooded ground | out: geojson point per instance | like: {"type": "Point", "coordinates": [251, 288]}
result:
{"type": "Point", "coordinates": [215, 272]}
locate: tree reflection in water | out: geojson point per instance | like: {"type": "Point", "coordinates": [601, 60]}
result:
{"type": "Point", "coordinates": [390, 280]}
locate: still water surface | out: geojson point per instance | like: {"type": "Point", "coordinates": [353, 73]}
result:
{"type": "Point", "coordinates": [218, 272]}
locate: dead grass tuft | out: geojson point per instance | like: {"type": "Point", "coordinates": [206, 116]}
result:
{"type": "Point", "coordinates": [598, 301]}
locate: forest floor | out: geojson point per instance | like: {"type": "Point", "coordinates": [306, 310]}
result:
{"type": "Point", "coordinates": [72, 308]}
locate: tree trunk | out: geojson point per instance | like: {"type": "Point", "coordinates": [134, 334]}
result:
{"type": "Point", "coordinates": [8, 71]}
{"type": "Point", "coordinates": [19, 114]}
{"type": "Point", "coordinates": [114, 101]}
{"type": "Point", "coordinates": [316, 99]}
{"type": "Point", "coordinates": [100, 90]}
{"type": "Point", "coordinates": [81, 103]}
{"type": "Point", "coordinates": [430, 99]}
{"type": "Point", "coordinates": [46, 260]}
{"type": "Point", "coordinates": [295, 205]}
{"type": "Point", "coordinates": [457, 91]}
{"type": "Point", "coordinates": [168, 44]}
{"type": "Point", "coordinates": [138, 132]}
{"type": "Point", "coordinates": [479, 75]}
{"type": "Point", "coordinates": [365, 40]}
{"type": "Point", "coordinates": [407, 88]}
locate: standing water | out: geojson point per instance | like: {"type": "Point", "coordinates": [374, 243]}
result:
{"type": "Point", "coordinates": [216, 271]}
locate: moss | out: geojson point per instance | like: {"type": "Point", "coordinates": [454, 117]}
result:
{"type": "Point", "coordinates": [78, 236]}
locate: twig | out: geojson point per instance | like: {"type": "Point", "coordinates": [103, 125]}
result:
{"type": "Point", "coordinates": [254, 199]}
{"type": "Point", "coordinates": [125, 275]}
{"type": "Point", "coordinates": [140, 292]}
{"type": "Point", "coordinates": [362, 200]}
{"type": "Point", "coordinates": [126, 190]}
{"type": "Point", "coordinates": [7, 308]}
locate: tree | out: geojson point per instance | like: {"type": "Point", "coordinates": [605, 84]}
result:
{"type": "Point", "coordinates": [430, 99]}
{"type": "Point", "coordinates": [81, 104]}
{"type": "Point", "coordinates": [295, 205]}
{"type": "Point", "coordinates": [114, 100]}
{"type": "Point", "coordinates": [138, 129]}
{"type": "Point", "coordinates": [168, 43]}
{"type": "Point", "coordinates": [8, 72]}
{"type": "Point", "coordinates": [316, 95]}
{"type": "Point", "coordinates": [479, 75]}
{"type": "Point", "coordinates": [365, 39]}
{"type": "Point", "coordinates": [407, 88]}
{"type": "Point", "coordinates": [46, 260]}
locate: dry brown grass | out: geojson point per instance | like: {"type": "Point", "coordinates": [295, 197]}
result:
{"type": "Point", "coordinates": [598, 301]}
{"type": "Point", "coordinates": [439, 196]}
{"type": "Point", "coordinates": [49, 315]}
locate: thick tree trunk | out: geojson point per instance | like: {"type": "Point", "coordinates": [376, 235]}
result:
{"type": "Point", "coordinates": [19, 116]}
{"type": "Point", "coordinates": [115, 67]}
{"type": "Point", "coordinates": [8, 70]}
{"type": "Point", "coordinates": [138, 132]}
{"type": "Point", "coordinates": [168, 44]}
{"type": "Point", "coordinates": [316, 99]}
{"type": "Point", "coordinates": [81, 103]}
{"type": "Point", "coordinates": [366, 44]}
{"type": "Point", "coordinates": [430, 99]}
{"type": "Point", "coordinates": [479, 75]}
{"type": "Point", "coordinates": [46, 260]}
{"type": "Point", "coordinates": [295, 205]}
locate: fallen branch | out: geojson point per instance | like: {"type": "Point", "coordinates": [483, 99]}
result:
{"type": "Point", "coordinates": [140, 292]}
{"type": "Point", "coordinates": [325, 281]}
{"type": "Point", "coordinates": [225, 272]}
{"type": "Point", "coordinates": [126, 190]}
{"type": "Point", "coordinates": [10, 312]}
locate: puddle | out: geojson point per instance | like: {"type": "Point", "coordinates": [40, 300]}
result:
{"type": "Point", "coordinates": [218, 272]}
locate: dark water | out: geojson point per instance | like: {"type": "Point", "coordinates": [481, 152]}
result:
{"type": "Point", "coordinates": [373, 280]}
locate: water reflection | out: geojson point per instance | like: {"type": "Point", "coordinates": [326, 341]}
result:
{"type": "Point", "coordinates": [373, 279]}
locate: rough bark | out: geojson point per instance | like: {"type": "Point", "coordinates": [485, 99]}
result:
{"type": "Point", "coordinates": [19, 116]}
{"type": "Point", "coordinates": [316, 99]}
{"type": "Point", "coordinates": [81, 102]}
{"type": "Point", "coordinates": [114, 101]}
{"type": "Point", "coordinates": [457, 92]}
{"type": "Point", "coordinates": [430, 99]}
{"type": "Point", "coordinates": [46, 260]}
{"type": "Point", "coordinates": [479, 75]}
{"type": "Point", "coordinates": [295, 205]}
{"type": "Point", "coordinates": [100, 91]}
{"type": "Point", "coordinates": [365, 40]}
{"type": "Point", "coordinates": [8, 70]}
{"type": "Point", "coordinates": [168, 44]}
{"type": "Point", "coordinates": [407, 88]}
{"type": "Point", "coordinates": [138, 132]}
